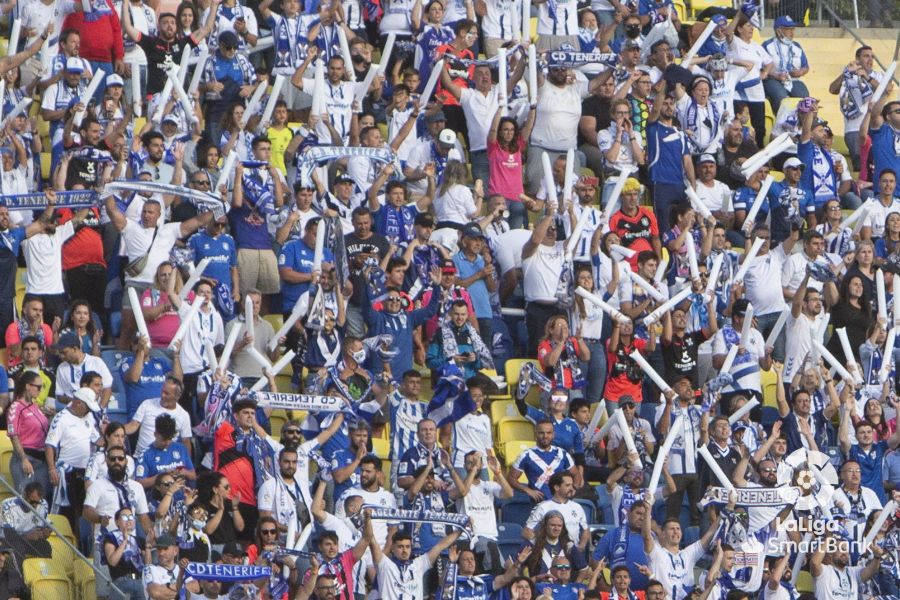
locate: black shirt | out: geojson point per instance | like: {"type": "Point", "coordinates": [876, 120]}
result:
{"type": "Point", "coordinates": [158, 51]}
{"type": "Point", "coordinates": [680, 356]}
{"type": "Point", "coordinates": [375, 244]}
{"type": "Point", "coordinates": [597, 107]}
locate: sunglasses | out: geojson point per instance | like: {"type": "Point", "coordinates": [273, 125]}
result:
{"type": "Point", "coordinates": [127, 518]}
{"type": "Point", "coordinates": [393, 299]}
{"type": "Point", "coordinates": [268, 531]}
{"type": "Point", "coordinates": [292, 431]}
{"type": "Point", "coordinates": [562, 567]}
{"type": "Point", "coordinates": [201, 182]}
{"type": "Point", "coordinates": [37, 386]}
{"type": "Point", "coordinates": [166, 483]}
{"type": "Point", "coordinates": [116, 458]}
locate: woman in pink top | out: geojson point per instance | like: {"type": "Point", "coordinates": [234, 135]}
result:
{"type": "Point", "coordinates": [161, 316]}
{"type": "Point", "coordinates": [27, 428]}
{"type": "Point", "coordinates": [505, 143]}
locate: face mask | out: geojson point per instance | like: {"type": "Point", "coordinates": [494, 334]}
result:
{"type": "Point", "coordinates": [633, 31]}
{"type": "Point", "coordinates": [359, 356]}
{"type": "Point", "coordinates": [198, 523]}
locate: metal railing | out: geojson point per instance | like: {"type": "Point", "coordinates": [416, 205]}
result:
{"type": "Point", "coordinates": [49, 525]}
{"type": "Point", "coordinates": [842, 23]}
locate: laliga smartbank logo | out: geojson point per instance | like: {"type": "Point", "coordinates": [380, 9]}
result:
{"type": "Point", "coordinates": [812, 534]}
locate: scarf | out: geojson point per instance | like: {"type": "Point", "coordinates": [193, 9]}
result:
{"type": "Point", "coordinates": [259, 192]}
{"type": "Point", "coordinates": [440, 162]}
{"type": "Point", "coordinates": [397, 223]}
{"type": "Point", "coordinates": [447, 591]}
{"type": "Point", "coordinates": [25, 330]}
{"type": "Point", "coordinates": [260, 453]}
{"type": "Point", "coordinates": [76, 200]}
{"type": "Point", "coordinates": [61, 494]}
{"type": "Point", "coordinates": [620, 547]}
{"type": "Point", "coordinates": [571, 60]}
{"type": "Point", "coordinates": [691, 121]}
{"type": "Point", "coordinates": [132, 552]}
{"type": "Point", "coordinates": [451, 347]}
{"type": "Point", "coordinates": [568, 360]}
{"type": "Point", "coordinates": [331, 356]}
{"type": "Point", "coordinates": [855, 93]}
{"type": "Point", "coordinates": [528, 376]}
{"type": "Point", "coordinates": [289, 45]}
{"type": "Point", "coordinates": [398, 515]}
{"type": "Point", "coordinates": [217, 408]}
{"type": "Point", "coordinates": [307, 402]}
{"type": "Point", "coordinates": [221, 572]}
{"type": "Point", "coordinates": [309, 158]}
{"type": "Point", "coordinates": [224, 302]}
{"type": "Point", "coordinates": [99, 10]}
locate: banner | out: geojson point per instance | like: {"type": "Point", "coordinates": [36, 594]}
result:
{"type": "Point", "coordinates": [198, 197]}
{"type": "Point", "coordinates": [74, 199]}
{"type": "Point", "coordinates": [778, 496]}
{"type": "Point", "coordinates": [313, 155]}
{"type": "Point", "coordinates": [220, 572]}
{"type": "Point", "coordinates": [569, 59]}
{"type": "Point", "coordinates": [400, 515]}
{"type": "Point", "coordinates": [307, 402]}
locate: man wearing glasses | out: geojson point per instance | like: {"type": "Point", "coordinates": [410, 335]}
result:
{"type": "Point", "coordinates": [228, 77]}
{"type": "Point", "coordinates": [212, 242]}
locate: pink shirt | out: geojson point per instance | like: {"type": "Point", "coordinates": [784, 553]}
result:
{"type": "Point", "coordinates": [163, 329]}
{"type": "Point", "coordinates": [505, 171]}
{"type": "Point", "coordinates": [27, 422]}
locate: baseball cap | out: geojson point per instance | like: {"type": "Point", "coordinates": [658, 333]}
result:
{"type": "Point", "coordinates": [343, 178]}
{"type": "Point", "coordinates": [74, 65]}
{"type": "Point", "coordinates": [170, 118]}
{"type": "Point", "coordinates": [166, 540]}
{"type": "Point", "coordinates": [472, 230]}
{"type": "Point", "coordinates": [626, 400]}
{"type": "Point", "coordinates": [232, 548]}
{"type": "Point", "coordinates": [793, 163]}
{"type": "Point", "coordinates": [113, 79]}
{"type": "Point", "coordinates": [66, 340]}
{"type": "Point", "coordinates": [448, 267]}
{"type": "Point", "coordinates": [740, 307]}
{"type": "Point", "coordinates": [436, 117]}
{"type": "Point", "coordinates": [228, 39]}
{"type": "Point", "coordinates": [719, 19]}
{"type": "Point", "coordinates": [706, 158]}
{"type": "Point", "coordinates": [447, 137]}
{"type": "Point", "coordinates": [785, 21]}
{"type": "Point", "coordinates": [88, 396]}
{"type": "Point", "coordinates": [631, 45]}
{"type": "Point", "coordinates": [424, 220]}
{"type": "Point", "coordinates": [587, 180]}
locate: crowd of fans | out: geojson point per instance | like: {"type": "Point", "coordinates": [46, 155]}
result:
{"type": "Point", "coordinates": [382, 197]}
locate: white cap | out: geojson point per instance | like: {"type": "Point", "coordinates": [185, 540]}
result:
{"type": "Point", "coordinates": [447, 136]}
{"type": "Point", "coordinates": [88, 396]}
{"type": "Point", "coordinates": [793, 162]}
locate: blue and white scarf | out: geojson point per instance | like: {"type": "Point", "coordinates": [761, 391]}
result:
{"type": "Point", "coordinates": [290, 46]}
{"type": "Point", "coordinates": [132, 552]}
{"type": "Point", "coordinates": [308, 159]}
{"type": "Point", "coordinates": [855, 93]}
{"type": "Point", "coordinates": [399, 223]}
{"type": "Point", "coordinates": [99, 9]}
{"type": "Point", "coordinates": [260, 453]}
{"type": "Point", "coordinates": [259, 192]}
{"type": "Point", "coordinates": [691, 124]}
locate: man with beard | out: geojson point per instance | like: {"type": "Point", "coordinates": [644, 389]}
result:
{"type": "Point", "coordinates": [371, 493]}
{"type": "Point", "coordinates": [626, 487]}
{"type": "Point", "coordinates": [83, 262]}
{"type": "Point", "coordinates": [563, 487]}
{"type": "Point", "coordinates": [104, 499]}
{"type": "Point", "coordinates": [166, 48]}
{"type": "Point", "coordinates": [838, 580]}
{"type": "Point", "coordinates": [625, 545]}
{"type": "Point", "coordinates": [539, 464]}
{"type": "Point", "coordinates": [734, 151]}
{"type": "Point", "coordinates": [778, 578]}
{"type": "Point", "coordinates": [345, 462]}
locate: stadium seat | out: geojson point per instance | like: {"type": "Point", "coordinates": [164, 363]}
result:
{"type": "Point", "coordinates": [46, 164]}
{"type": "Point", "coordinates": [805, 583]}
{"type": "Point", "coordinates": [510, 451]}
{"type": "Point", "coordinates": [62, 525]}
{"type": "Point", "coordinates": [36, 569]}
{"type": "Point", "coordinates": [84, 581]}
{"type": "Point", "coordinates": [6, 453]}
{"type": "Point", "coordinates": [698, 6]}
{"type": "Point", "coordinates": [276, 320]}
{"type": "Point", "coordinates": [277, 420]}
{"type": "Point", "coordinates": [386, 469]}
{"type": "Point", "coordinates": [62, 555]}
{"type": "Point", "coordinates": [113, 359]}
{"type": "Point", "coordinates": [768, 416]}
{"type": "Point", "coordinates": [590, 509]}
{"type": "Point", "coordinates": [604, 501]}
{"type": "Point", "coordinates": [516, 511]}
{"type": "Point", "coordinates": [509, 532]}
{"type": "Point", "coordinates": [514, 428]}
{"type": "Point", "coordinates": [768, 380]}
{"type": "Point", "coordinates": [512, 368]}
{"type": "Point", "coordinates": [381, 448]}
{"type": "Point", "coordinates": [501, 409]}
{"type": "Point", "coordinates": [509, 549]}
{"type": "Point", "coordinates": [284, 383]}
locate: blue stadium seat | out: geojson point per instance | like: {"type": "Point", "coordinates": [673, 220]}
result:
{"type": "Point", "coordinates": [516, 511]}
{"type": "Point", "coordinates": [605, 502]}
{"type": "Point", "coordinates": [509, 532]}
{"type": "Point", "coordinates": [590, 509]}
{"type": "Point", "coordinates": [509, 549]}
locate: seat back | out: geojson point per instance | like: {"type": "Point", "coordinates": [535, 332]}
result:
{"type": "Point", "coordinates": [515, 428]}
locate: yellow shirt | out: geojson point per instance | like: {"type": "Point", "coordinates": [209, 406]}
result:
{"type": "Point", "coordinates": [280, 139]}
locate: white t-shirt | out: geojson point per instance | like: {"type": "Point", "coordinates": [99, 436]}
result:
{"type": "Point", "coordinates": [338, 106]}
{"type": "Point", "coordinates": [745, 368]}
{"type": "Point", "coordinates": [68, 376]}
{"type": "Point", "coordinates": [675, 571]}
{"type": "Point", "coordinates": [421, 155]}
{"type": "Point", "coordinates": [478, 504]}
{"type": "Point", "coordinates": [541, 271]}
{"type": "Point", "coordinates": [563, 22]}
{"type": "Point", "coordinates": [833, 584]}
{"type": "Point", "coordinates": [455, 205]}
{"type": "Point", "coordinates": [558, 114]}
{"type": "Point", "coordinates": [158, 574]}
{"type": "Point", "coordinates": [572, 512]}
{"type": "Point", "coordinates": [798, 342]}
{"type": "Point", "coordinates": [472, 432]}
{"type": "Point", "coordinates": [136, 242]}
{"type": "Point", "coordinates": [751, 52]}
{"type": "Point", "coordinates": [502, 19]}
{"type": "Point", "coordinates": [878, 212]}
{"type": "Point", "coordinates": [606, 139]}
{"type": "Point", "coordinates": [479, 110]}
{"type": "Point", "coordinates": [146, 415]}
{"type": "Point", "coordinates": [509, 249]}
{"type": "Point", "coordinates": [106, 499]}
{"type": "Point", "coordinates": [765, 297]}
{"type": "Point", "coordinates": [382, 498]}
{"type": "Point", "coordinates": [72, 437]}
{"type": "Point", "coordinates": [43, 258]}
{"type": "Point", "coordinates": [204, 326]}
{"type": "Point", "coordinates": [715, 197]}
{"type": "Point", "coordinates": [402, 582]}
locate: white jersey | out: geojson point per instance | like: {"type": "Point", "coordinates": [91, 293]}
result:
{"type": "Point", "coordinates": [834, 584]}
{"type": "Point", "coordinates": [572, 512]}
{"type": "Point", "coordinates": [563, 21]}
{"type": "Point", "coordinates": [478, 505]}
{"type": "Point", "coordinates": [675, 571]}
{"type": "Point", "coordinates": [71, 436]}
{"type": "Point", "coordinates": [402, 581]}
{"type": "Point", "coordinates": [502, 19]}
{"type": "Point", "coordinates": [799, 334]}
{"type": "Point", "coordinates": [382, 498]}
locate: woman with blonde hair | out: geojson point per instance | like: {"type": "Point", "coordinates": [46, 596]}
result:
{"type": "Point", "coordinates": [456, 204]}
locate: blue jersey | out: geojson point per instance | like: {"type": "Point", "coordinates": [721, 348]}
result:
{"type": "Point", "coordinates": [340, 459]}
{"type": "Point", "coordinates": [566, 432]}
{"type": "Point", "coordinates": [298, 256]}
{"type": "Point", "coordinates": [154, 461]}
{"type": "Point", "coordinates": [479, 587]}
{"type": "Point", "coordinates": [539, 465]}
{"type": "Point", "coordinates": [416, 457]}
{"type": "Point", "coordinates": [426, 535]}
{"type": "Point", "coordinates": [624, 547]}
{"type": "Point", "coordinates": [870, 465]}
{"type": "Point", "coordinates": [221, 252]}
{"type": "Point", "coordinates": [149, 384]}
{"type": "Point", "coordinates": [885, 154]}
{"type": "Point", "coordinates": [785, 203]}
{"type": "Point", "coordinates": [818, 178]}
{"type": "Point", "coordinates": [666, 149]}
{"type": "Point", "coordinates": [561, 591]}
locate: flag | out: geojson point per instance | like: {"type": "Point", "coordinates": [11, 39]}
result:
{"type": "Point", "coordinates": [451, 400]}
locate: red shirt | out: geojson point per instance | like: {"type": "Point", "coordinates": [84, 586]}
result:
{"type": "Point", "coordinates": [625, 376]}
{"type": "Point", "coordinates": [236, 467]}
{"type": "Point", "coordinates": [460, 72]}
{"type": "Point", "coordinates": [101, 38]}
{"type": "Point", "coordinates": [86, 246]}
{"type": "Point", "coordinates": [563, 379]}
{"type": "Point", "coordinates": [636, 231]}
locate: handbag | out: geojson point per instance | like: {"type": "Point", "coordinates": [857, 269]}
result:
{"type": "Point", "coordinates": [135, 267]}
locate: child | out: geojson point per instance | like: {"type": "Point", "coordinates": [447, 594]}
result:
{"type": "Point", "coordinates": [742, 112]}
{"type": "Point", "coordinates": [279, 135]}
{"type": "Point", "coordinates": [398, 113]}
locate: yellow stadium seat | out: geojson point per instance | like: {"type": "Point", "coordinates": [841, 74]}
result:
{"type": "Point", "coordinates": [62, 525]}
{"type": "Point", "coordinates": [386, 469]}
{"type": "Point", "coordinates": [284, 383]}
{"type": "Point", "coordinates": [681, 9]}
{"type": "Point", "coordinates": [3, 357]}
{"type": "Point", "coordinates": [512, 450]}
{"type": "Point", "coordinates": [46, 164]}
{"type": "Point", "coordinates": [777, 175]}
{"type": "Point", "coordinates": [501, 409]}
{"type": "Point", "coordinates": [43, 129]}
{"type": "Point", "coordinates": [52, 588]}
{"type": "Point", "coordinates": [139, 123]}
{"type": "Point", "coordinates": [381, 448]}
{"type": "Point", "coordinates": [84, 581]}
{"type": "Point", "coordinates": [277, 420]}
{"type": "Point", "coordinates": [514, 428]}
{"type": "Point", "coordinates": [35, 569]}
{"type": "Point", "coordinates": [62, 555]}
{"type": "Point", "coordinates": [698, 6]}
{"type": "Point", "coordinates": [501, 395]}
{"type": "Point", "coordinates": [805, 583]}
{"type": "Point", "coordinates": [6, 453]}
{"type": "Point", "coordinates": [511, 370]}
{"type": "Point", "coordinates": [768, 380]}
{"type": "Point", "coordinates": [275, 320]}
{"type": "Point", "coordinates": [840, 145]}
